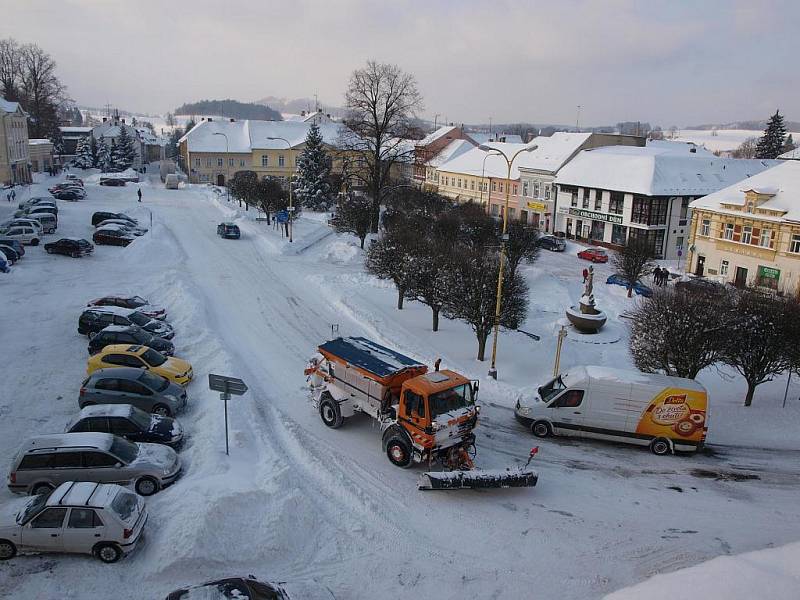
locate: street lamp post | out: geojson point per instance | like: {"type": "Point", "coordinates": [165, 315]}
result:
{"type": "Point", "coordinates": [483, 174]}
{"type": "Point", "coordinates": [227, 171]}
{"type": "Point", "coordinates": [503, 240]}
{"type": "Point", "coordinates": [291, 169]}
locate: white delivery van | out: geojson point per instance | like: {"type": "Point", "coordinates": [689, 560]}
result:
{"type": "Point", "coordinates": [667, 414]}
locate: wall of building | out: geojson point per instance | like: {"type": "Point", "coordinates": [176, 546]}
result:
{"type": "Point", "coordinates": [14, 154]}
{"type": "Point", "coordinates": [463, 188]}
{"type": "Point", "coordinates": [41, 156]}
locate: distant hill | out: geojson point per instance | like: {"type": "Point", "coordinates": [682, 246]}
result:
{"type": "Point", "coordinates": [750, 125]}
{"type": "Point", "coordinates": [230, 108]}
{"type": "Point", "coordinates": [297, 105]}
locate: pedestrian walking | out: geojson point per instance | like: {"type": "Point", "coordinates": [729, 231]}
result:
{"type": "Point", "coordinates": [657, 276]}
{"type": "Point", "coordinates": [139, 193]}
{"type": "Point", "coordinates": [664, 277]}
{"type": "Point", "coordinates": [585, 275]}
{"type": "Point", "coordinates": [8, 196]}
{"type": "Point", "coordinates": [13, 194]}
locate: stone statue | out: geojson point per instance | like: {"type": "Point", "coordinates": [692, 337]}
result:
{"type": "Point", "coordinates": [585, 317]}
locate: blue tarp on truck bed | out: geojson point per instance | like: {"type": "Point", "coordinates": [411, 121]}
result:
{"type": "Point", "coordinates": [368, 355]}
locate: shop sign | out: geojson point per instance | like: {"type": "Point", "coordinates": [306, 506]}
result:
{"type": "Point", "coordinates": [768, 273]}
{"type": "Point", "coordinates": [596, 216]}
{"type": "Point", "coordinates": [537, 206]}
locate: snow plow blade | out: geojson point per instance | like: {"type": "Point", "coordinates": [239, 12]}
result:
{"type": "Point", "coordinates": [457, 480]}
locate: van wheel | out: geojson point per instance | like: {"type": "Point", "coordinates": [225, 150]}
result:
{"type": "Point", "coordinates": [398, 450]}
{"type": "Point", "coordinates": [660, 447]}
{"type": "Point", "coordinates": [146, 486]}
{"type": "Point", "coordinates": [41, 488]}
{"type": "Point", "coordinates": [108, 553]}
{"type": "Point", "coordinates": [541, 429]}
{"type": "Point", "coordinates": [7, 550]}
{"type": "Point", "coordinates": [161, 411]}
{"type": "Point", "coordinates": [330, 412]}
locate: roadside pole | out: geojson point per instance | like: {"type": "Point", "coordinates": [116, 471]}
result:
{"type": "Point", "coordinates": [226, 386]}
{"type": "Point", "coordinates": [561, 335]}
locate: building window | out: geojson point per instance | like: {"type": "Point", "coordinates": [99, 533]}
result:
{"type": "Point", "coordinates": [750, 206]}
{"type": "Point", "coordinates": [220, 162]}
{"type": "Point", "coordinates": [684, 209]}
{"type": "Point", "coordinates": [511, 212]}
{"type": "Point", "coordinates": [616, 203]}
{"type": "Point", "coordinates": [747, 234]}
{"type": "Point", "coordinates": [494, 186]}
{"type": "Point", "coordinates": [515, 189]}
{"type": "Point", "coordinates": [231, 162]}
{"type": "Point", "coordinates": [766, 237]}
{"type": "Point", "coordinates": [281, 160]}
{"type": "Point", "coordinates": [547, 192]}
{"type": "Point", "coordinates": [264, 160]}
{"type": "Point", "coordinates": [794, 246]}
{"type": "Point", "coordinates": [501, 186]}
{"type": "Point", "coordinates": [536, 189]}
{"type": "Point", "coordinates": [705, 227]}
{"type": "Point", "coordinates": [679, 242]}
{"type": "Point", "coordinates": [459, 182]}
{"type": "Point", "coordinates": [241, 163]}
{"type": "Point", "coordinates": [525, 188]}
{"type": "Point", "coordinates": [209, 162]}
{"type": "Point", "coordinates": [494, 210]}
{"type": "Point", "coordinates": [196, 162]}
{"type": "Point", "coordinates": [728, 231]}
{"type": "Point", "coordinates": [598, 199]}
{"type": "Point", "coordinates": [585, 198]}
{"type": "Point", "coordinates": [723, 267]}
{"type": "Point", "coordinates": [472, 185]}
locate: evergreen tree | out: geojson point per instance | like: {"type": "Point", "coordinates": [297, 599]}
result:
{"type": "Point", "coordinates": [123, 154]}
{"type": "Point", "coordinates": [771, 143]}
{"type": "Point", "coordinates": [789, 145]}
{"type": "Point", "coordinates": [93, 146]}
{"type": "Point", "coordinates": [103, 156]}
{"type": "Point", "coordinates": [311, 184]}
{"type": "Point", "coordinates": [83, 154]}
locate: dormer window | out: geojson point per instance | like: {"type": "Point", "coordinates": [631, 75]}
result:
{"type": "Point", "coordinates": [750, 206]}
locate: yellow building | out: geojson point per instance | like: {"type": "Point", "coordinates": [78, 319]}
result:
{"type": "Point", "coordinates": [748, 234]}
{"type": "Point", "coordinates": [14, 153]}
{"type": "Point", "coordinates": [471, 174]}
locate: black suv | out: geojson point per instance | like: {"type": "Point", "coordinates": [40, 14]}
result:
{"type": "Point", "coordinates": [70, 247]}
{"type": "Point", "coordinates": [129, 334]}
{"type": "Point", "coordinates": [101, 216]}
{"type": "Point", "coordinates": [228, 230]}
{"type": "Point", "coordinates": [93, 320]}
{"type": "Point", "coordinates": [552, 243]}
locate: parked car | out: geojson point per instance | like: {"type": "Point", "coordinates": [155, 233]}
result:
{"type": "Point", "coordinates": [123, 355]}
{"type": "Point", "coordinates": [127, 385]}
{"type": "Point", "coordinates": [96, 318]}
{"type": "Point", "coordinates": [34, 200]}
{"type": "Point", "coordinates": [123, 224]}
{"type": "Point", "coordinates": [101, 216]}
{"type": "Point", "coordinates": [23, 221]}
{"type": "Point", "coordinates": [41, 206]}
{"type": "Point", "coordinates": [112, 182]}
{"type": "Point", "coordinates": [4, 266]}
{"type": "Point", "coordinates": [101, 519]}
{"type": "Point", "coordinates": [638, 287]}
{"type": "Point", "coordinates": [140, 304]}
{"type": "Point", "coordinates": [699, 285]}
{"type": "Point", "coordinates": [251, 589]}
{"type": "Point", "coordinates": [129, 334]}
{"type": "Point", "coordinates": [70, 247]}
{"type": "Point", "coordinates": [47, 461]}
{"type": "Point", "coordinates": [112, 237]}
{"type": "Point", "coordinates": [596, 255]}
{"type": "Point", "coordinates": [75, 179]}
{"type": "Point", "coordinates": [69, 195]}
{"type": "Point", "coordinates": [127, 421]}
{"type": "Point", "coordinates": [24, 234]}
{"type": "Point", "coordinates": [9, 254]}
{"type": "Point", "coordinates": [229, 231]}
{"type": "Point", "coordinates": [552, 243]}
{"type": "Point", "coordinates": [19, 248]}
{"type": "Point", "coordinates": [48, 222]}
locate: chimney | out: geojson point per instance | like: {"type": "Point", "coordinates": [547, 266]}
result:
{"type": "Point", "coordinates": [210, 119]}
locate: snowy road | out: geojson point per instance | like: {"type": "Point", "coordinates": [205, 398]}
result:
{"type": "Point", "coordinates": [296, 500]}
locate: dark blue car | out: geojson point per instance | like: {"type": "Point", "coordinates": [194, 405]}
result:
{"type": "Point", "coordinates": [228, 230]}
{"type": "Point", "coordinates": [638, 287]}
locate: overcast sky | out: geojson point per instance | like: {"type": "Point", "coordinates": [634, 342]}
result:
{"type": "Point", "coordinates": [671, 62]}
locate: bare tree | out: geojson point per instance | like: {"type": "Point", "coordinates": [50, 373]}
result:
{"type": "Point", "coordinates": [634, 261]}
{"type": "Point", "coordinates": [679, 333]}
{"type": "Point", "coordinates": [381, 101]}
{"type": "Point", "coordinates": [353, 216]}
{"type": "Point", "coordinates": [747, 149]}
{"type": "Point", "coordinates": [430, 282]}
{"type": "Point", "coordinates": [392, 257]}
{"type": "Point", "coordinates": [522, 245]}
{"type": "Point", "coordinates": [10, 69]}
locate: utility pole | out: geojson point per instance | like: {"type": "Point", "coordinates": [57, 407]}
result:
{"type": "Point", "coordinates": [578, 119]}
{"type": "Point", "coordinates": [435, 119]}
{"type": "Point", "coordinates": [561, 335]}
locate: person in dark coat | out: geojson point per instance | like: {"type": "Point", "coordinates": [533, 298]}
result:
{"type": "Point", "coordinates": [585, 275]}
{"type": "Point", "coordinates": [139, 193]}
{"type": "Point", "coordinates": [657, 276]}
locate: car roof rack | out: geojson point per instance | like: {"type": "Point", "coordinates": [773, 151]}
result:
{"type": "Point", "coordinates": [96, 486]}
{"type": "Point", "coordinates": [64, 495]}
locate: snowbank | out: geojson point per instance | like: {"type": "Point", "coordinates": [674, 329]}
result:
{"type": "Point", "coordinates": [773, 573]}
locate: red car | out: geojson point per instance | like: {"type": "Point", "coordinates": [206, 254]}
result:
{"type": "Point", "coordinates": [596, 255]}
{"type": "Point", "coordinates": [137, 302]}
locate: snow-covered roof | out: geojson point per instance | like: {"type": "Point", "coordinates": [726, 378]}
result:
{"type": "Point", "coordinates": [679, 147]}
{"type": "Point", "coordinates": [552, 152]}
{"type": "Point", "coordinates": [39, 141]}
{"type": "Point", "coordinates": [75, 129]}
{"type": "Point", "coordinates": [432, 137]}
{"type": "Point", "coordinates": [781, 182]}
{"type": "Point", "coordinates": [482, 138]}
{"type": "Point", "coordinates": [486, 163]}
{"type": "Point", "coordinates": [791, 154]}
{"type": "Point", "coordinates": [452, 150]}
{"type": "Point", "coordinates": [111, 130]}
{"type": "Point", "coordinates": [10, 107]}
{"type": "Point", "coordinates": [655, 171]}
{"type": "Point", "coordinates": [248, 135]}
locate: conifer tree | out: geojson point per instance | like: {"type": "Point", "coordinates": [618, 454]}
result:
{"type": "Point", "coordinates": [771, 143]}
{"type": "Point", "coordinates": [103, 156]}
{"type": "Point", "coordinates": [83, 154]}
{"type": "Point", "coordinates": [93, 146]}
{"type": "Point", "coordinates": [312, 182]}
{"type": "Point", "coordinates": [123, 153]}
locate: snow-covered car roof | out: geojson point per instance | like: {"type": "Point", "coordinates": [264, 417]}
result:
{"type": "Point", "coordinates": [104, 410]}
{"type": "Point", "coordinates": [83, 493]}
{"type": "Point", "coordinates": [114, 310]}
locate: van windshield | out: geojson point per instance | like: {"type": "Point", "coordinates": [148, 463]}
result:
{"type": "Point", "coordinates": [549, 390]}
{"type": "Point", "coordinates": [450, 400]}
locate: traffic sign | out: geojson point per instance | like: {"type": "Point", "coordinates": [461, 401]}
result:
{"type": "Point", "coordinates": [225, 384]}
{"type": "Point", "coordinates": [282, 216]}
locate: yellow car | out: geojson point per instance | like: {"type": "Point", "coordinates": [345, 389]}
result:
{"type": "Point", "coordinates": [141, 357]}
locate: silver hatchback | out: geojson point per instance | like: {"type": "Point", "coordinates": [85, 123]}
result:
{"type": "Point", "coordinates": [137, 387]}
{"type": "Point", "coordinates": [47, 461]}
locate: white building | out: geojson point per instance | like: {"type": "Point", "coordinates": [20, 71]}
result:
{"type": "Point", "coordinates": [14, 149]}
{"type": "Point", "coordinates": [612, 194]}
{"type": "Point", "coordinates": [110, 129]}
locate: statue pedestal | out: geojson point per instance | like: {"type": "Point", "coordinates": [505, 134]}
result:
{"type": "Point", "coordinates": [586, 318]}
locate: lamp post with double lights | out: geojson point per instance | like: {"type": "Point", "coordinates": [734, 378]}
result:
{"type": "Point", "coordinates": [291, 169]}
{"type": "Point", "coordinates": [503, 241]}
{"type": "Point", "coordinates": [227, 170]}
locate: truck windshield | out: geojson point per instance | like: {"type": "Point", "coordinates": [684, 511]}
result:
{"type": "Point", "coordinates": [450, 400]}
{"type": "Point", "coordinates": [549, 390]}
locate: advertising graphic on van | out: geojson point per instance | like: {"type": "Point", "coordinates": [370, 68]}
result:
{"type": "Point", "coordinates": [674, 411]}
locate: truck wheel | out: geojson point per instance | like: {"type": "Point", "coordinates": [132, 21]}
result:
{"type": "Point", "coordinates": [399, 451]}
{"type": "Point", "coordinates": [660, 447]}
{"type": "Point", "coordinates": [541, 429]}
{"type": "Point", "coordinates": [330, 412]}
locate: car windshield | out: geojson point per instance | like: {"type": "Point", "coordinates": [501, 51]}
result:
{"type": "Point", "coordinates": [137, 301]}
{"type": "Point", "coordinates": [32, 508]}
{"type": "Point", "coordinates": [140, 418]}
{"type": "Point", "coordinates": [124, 450]}
{"type": "Point", "coordinates": [125, 504]}
{"type": "Point", "coordinates": [450, 400]}
{"type": "Point", "coordinates": [154, 358]}
{"type": "Point", "coordinates": [154, 382]}
{"type": "Point", "coordinates": [551, 389]}
{"type": "Point", "coordinates": [138, 318]}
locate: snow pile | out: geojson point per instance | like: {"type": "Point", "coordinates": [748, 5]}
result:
{"type": "Point", "coordinates": [773, 573]}
{"type": "Point", "coordinates": [343, 252]}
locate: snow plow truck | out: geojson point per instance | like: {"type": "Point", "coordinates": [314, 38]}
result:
{"type": "Point", "coordinates": [425, 416]}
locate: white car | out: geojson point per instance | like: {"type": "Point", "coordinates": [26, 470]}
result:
{"type": "Point", "coordinates": [21, 221]}
{"type": "Point", "coordinates": [25, 234]}
{"type": "Point", "coordinates": [102, 519]}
